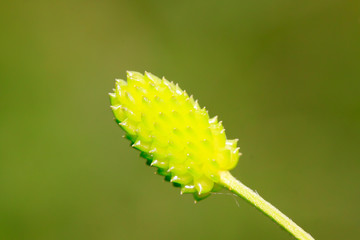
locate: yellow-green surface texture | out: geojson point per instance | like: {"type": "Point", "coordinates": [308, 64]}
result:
{"type": "Point", "coordinates": [173, 132]}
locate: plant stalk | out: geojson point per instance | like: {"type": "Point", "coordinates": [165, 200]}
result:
{"type": "Point", "coordinates": [234, 185]}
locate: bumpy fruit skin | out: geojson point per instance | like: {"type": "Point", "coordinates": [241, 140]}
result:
{"type": "Point", "coordinates": [173, 133]}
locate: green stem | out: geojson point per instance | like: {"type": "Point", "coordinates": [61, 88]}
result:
{"type": "Point", "coordinates": [252, 197]}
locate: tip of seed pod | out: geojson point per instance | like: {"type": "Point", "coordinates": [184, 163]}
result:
{"type": "Point", "coordinates": [120, 83]}
{"type": "Point", "coordinates": [197, 106]}
{"type": "Point", "coordinates": [178, 89]}
{"type": "Point", "coordinates": [174, 178]}
{"type": "Point", "coordinates": [137, 143]}
{"type": "Point", "coordinates": [129, 73]}
{"type": "Point", "coordinates": [148, 74]}
{"type": "Point", "coordinates": [166, 82]}
{"type": "Point", "coordinates": [213, 120]}
{"type": "Point", "coordinates": [115, 107]}
{"type": "Point", "coordinates": [132, 74]}
{"type": "Point", "coordinates": [145, 99]}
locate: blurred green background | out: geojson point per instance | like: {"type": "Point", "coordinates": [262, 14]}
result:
{"type": "Point", "coordinates": [284, 76]}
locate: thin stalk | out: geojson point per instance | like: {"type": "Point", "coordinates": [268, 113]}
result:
{"type": "Point", "coordinates": [252, 197]}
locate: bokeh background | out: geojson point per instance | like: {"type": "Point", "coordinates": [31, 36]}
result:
{"type": "Point", "coordinates": [284, 76]}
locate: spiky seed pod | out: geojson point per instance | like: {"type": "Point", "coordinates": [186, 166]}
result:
{"type": "Point", "coordinates": [173, 133]}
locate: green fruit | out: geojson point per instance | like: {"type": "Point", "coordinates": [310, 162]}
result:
{"type": "Point", "coordinates": [173, 133]}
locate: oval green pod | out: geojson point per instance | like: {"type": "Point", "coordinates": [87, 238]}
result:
{"type": "Point", "coordinates": [173, 133]}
